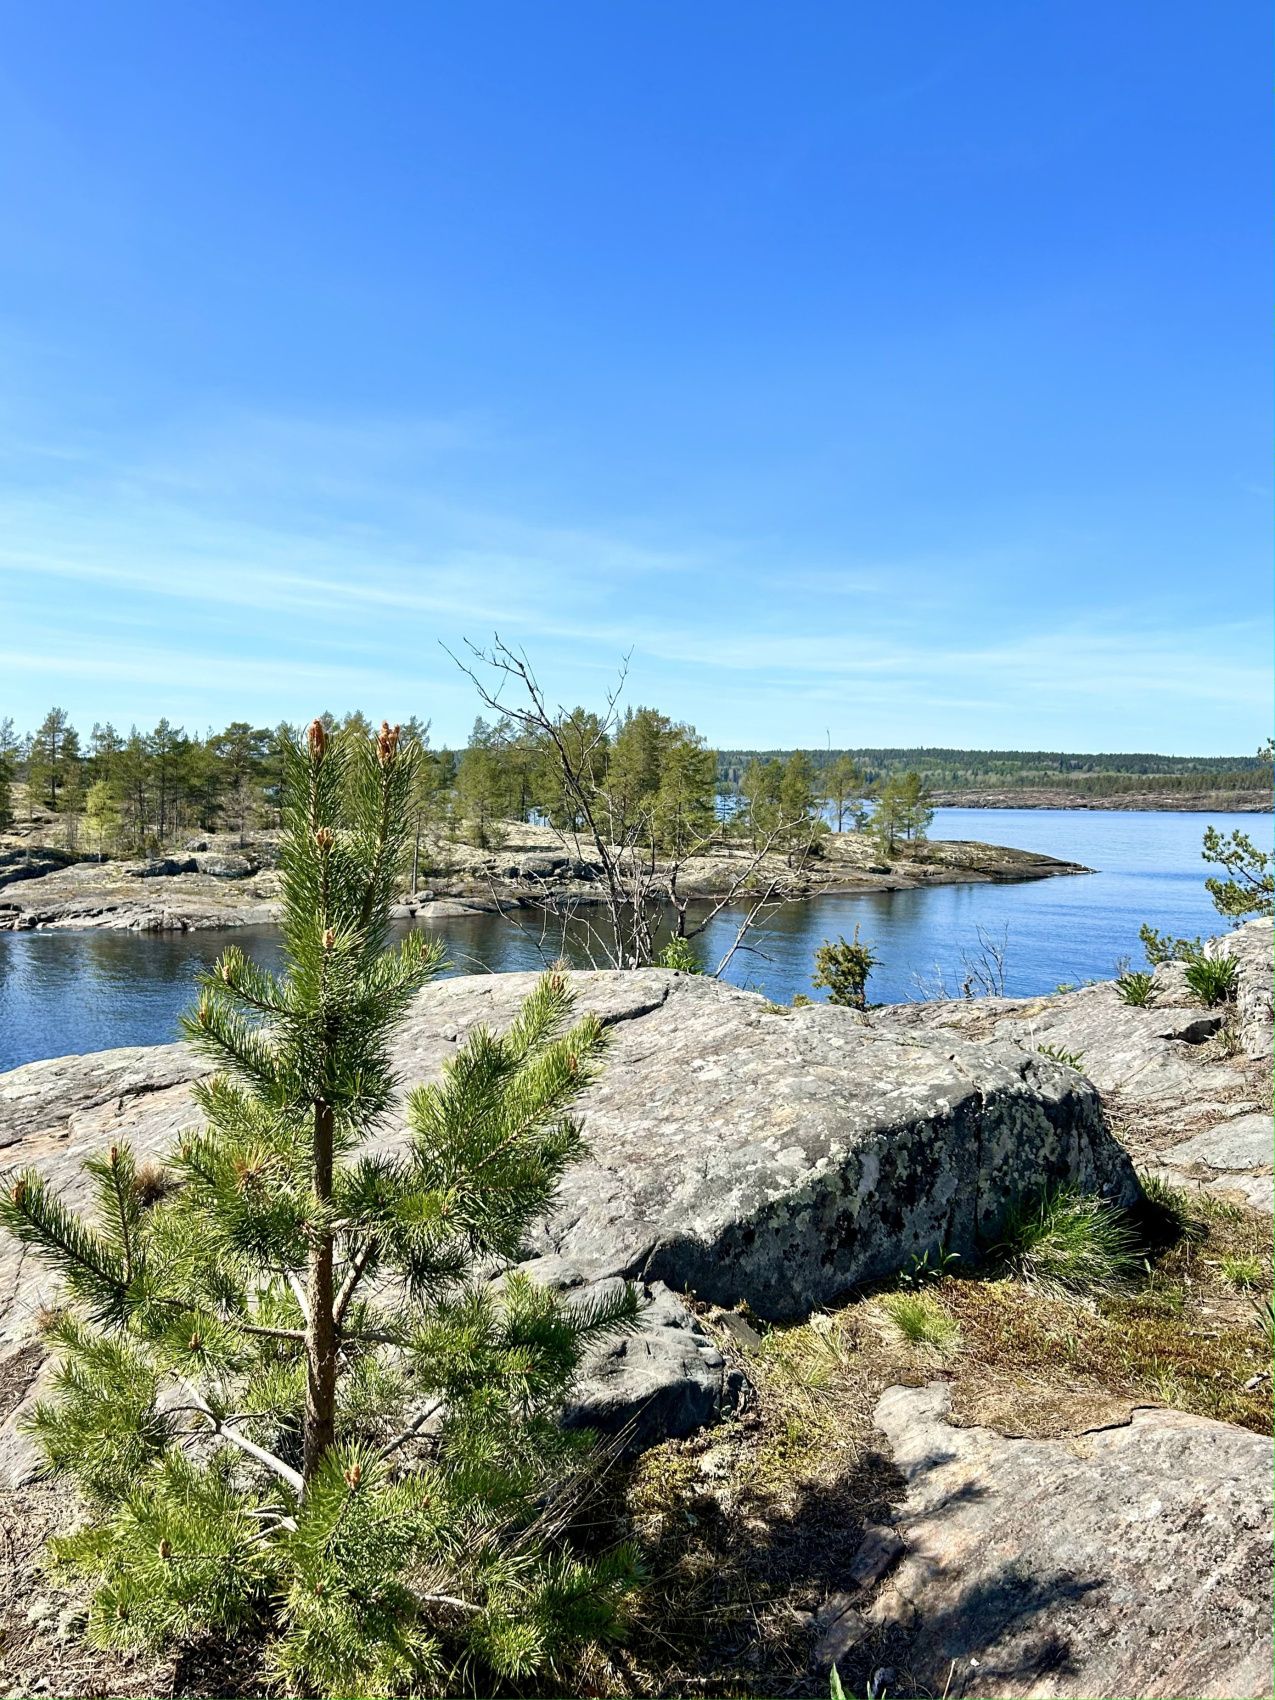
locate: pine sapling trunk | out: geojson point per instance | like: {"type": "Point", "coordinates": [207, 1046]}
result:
{"type": "Point", "coordinates": [320, 1340]}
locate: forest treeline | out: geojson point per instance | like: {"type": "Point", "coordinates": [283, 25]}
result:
{"type": "Point", "coordinates": [110, 791]}
{"type": "Point", "coordinates": [1099, 775]}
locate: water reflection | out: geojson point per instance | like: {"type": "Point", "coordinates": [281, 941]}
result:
{"type": "Point", "coordinates": [83, 991]}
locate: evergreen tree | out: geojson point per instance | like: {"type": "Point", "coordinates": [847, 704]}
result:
{"type": "Point", "coordinates": [8, 766]}
{"type": "Point", "coordinates": [481, 792]}
{"type": "Point", "coordinates": [286, 1383]}
{"type": "Point", "coordinates": [842, 970]}
{"type": "Point", "coordinates": [760, 786]}
{"type": "Point", "coordinates": [55, 750]}
{"type": "Point", "coordinates": [843, 789]}
{"type": "Point", "coordinates": [242, 750]}
{"type": "Point", "coordinates": [915, 810]}
{"type": "Point", "coordinates": [683, 812]}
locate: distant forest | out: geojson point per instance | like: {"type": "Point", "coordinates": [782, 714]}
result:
{"type": "Point", "coordinates": [1101, 775]}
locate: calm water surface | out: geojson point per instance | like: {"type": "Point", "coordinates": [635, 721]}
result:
{"type": "Point", "coordinates": [65, 991]}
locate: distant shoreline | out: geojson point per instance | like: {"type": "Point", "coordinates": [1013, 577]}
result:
{"type": "Point", "coordinates": [1205, 803]}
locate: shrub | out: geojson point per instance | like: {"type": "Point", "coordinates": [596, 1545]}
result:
{"type": "Point", "coordinates": [1212, 979]}
{"type": "Point", "coordinates": [248, 1359]}
{"type": "Point", "coordinates": [679, 954]}
{"type": "Point", "coordinates": [1162, 947]}
{"type": "Point", "coordinates": [1135, 987]}
{"type": "Point", "coordinates": [843, 968]}
{"type": "Point", "coordinates": [921, 1320]}
{"type": "Point", "coordinates": [1067, 1241]}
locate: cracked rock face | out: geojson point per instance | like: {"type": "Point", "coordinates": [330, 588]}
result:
{"type": "Point", "coordinates": [738, 1152]}
{"type": "Point", "coordinates": [1160, 1076]}
{"type": "Point", "coordinates": [1132, 1560]}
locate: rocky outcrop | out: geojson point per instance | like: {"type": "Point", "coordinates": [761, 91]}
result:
{"type": "Point", "coordinates": [33, 864]}
{"type": "Point", "coordinates": [1132, 1560]}
{"type": "Point", "coordinates": [1253, 947]}
{"type": "Point", "coordinates": [739, 1152]}
{"type": "Point", "coordinates": [214, 883]}
{"type": "Point", "coordinates": [1188, 1088]}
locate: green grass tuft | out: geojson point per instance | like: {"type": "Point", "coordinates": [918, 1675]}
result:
{"type": "Point", "coordinates": [921, 1320]}
{"type": "Point", "coordinates": [1069, 1059]}
{"type": "Point", "coordinates": [1242, 1272]}
{"type": "Point", "coordinates": [1135, 988]}
{"type": "Point", "coordinates": [1068, 1242]}
{"type": "Point", "coordinates": [1212, 979]}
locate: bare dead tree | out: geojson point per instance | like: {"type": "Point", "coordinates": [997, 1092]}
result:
{"type": "Point", "coordinates": [638, 879]}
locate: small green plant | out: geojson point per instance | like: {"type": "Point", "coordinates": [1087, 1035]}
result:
{"type": "Point", "coordinates": [1163, 947]}
{"type": "Point", "coordinates": [1065, 986]}
{"type": "Point", "coordinates": [921, 1270]}
{"type": "Point", "coordinates": [843, 968]}
{"type": "Point", "coordinates": [1212, 979]}
{"type": "Point", "coordinates": [1067, 1241]}
{"type": "Point", "coordinates": [679, 954]}
{"type": "Point", "coordinates": [1242, 1272]}
{"type": "Point", "coordinates": [1069, 1059]}
{"type": "Point", "coordinates": [801, 1001]}
{"type": "Point", "coordinates": [1135, 987]}
{"type": "Point", "coordinates": [921, 1320]}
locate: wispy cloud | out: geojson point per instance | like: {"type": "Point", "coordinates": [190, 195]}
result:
{"type": "Point", "coordinates": [258, 566]}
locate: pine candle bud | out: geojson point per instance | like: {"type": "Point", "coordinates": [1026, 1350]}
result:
{"type": "Point", "coordinates": [329, 938]}
{"type": "Point", "coordinates": [165, 1549]}
{"type": "Point", "coordinates": [353, 1476]}
{"type": "Point", "coordinates": [325, 838]}
{"type": "Point", "coordinates": [387, 743]}
{"type": "Point", "coordinates": [19, 1193]}
{"type": "Point", "coordinates": [317, 739]}
{"type": "Point", "coordinates": [195, 1342]}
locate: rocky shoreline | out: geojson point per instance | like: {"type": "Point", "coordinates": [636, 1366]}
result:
{"type": "Point", "coordinates": [1254, 802]}
{"type": "Point", "coordinates": [214, 884]}
{"type": "Point", "coordinates": [1015, 1514]}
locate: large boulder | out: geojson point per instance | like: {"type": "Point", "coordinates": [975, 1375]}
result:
{"type": "Point", "coordinates": [1187, 1087]}
{"type": "Point", "coordinates": [1132, 1560]}
{"type": "Point", "coordinates": [739, 1151]}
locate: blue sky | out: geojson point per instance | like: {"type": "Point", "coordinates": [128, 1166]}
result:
{"type": "Point", "coordinates": [881, 374]}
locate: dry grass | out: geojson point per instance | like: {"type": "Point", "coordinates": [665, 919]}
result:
{"type": "Point", "coordinates": [747, 1528]}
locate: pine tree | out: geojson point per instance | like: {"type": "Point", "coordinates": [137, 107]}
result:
{"type": "Point", "coordinates": [288, 1385]}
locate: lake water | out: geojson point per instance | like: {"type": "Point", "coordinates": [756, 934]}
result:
{"type": "Point", "coordinates": [84, 991]}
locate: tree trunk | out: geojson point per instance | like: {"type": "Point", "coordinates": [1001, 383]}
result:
{"type": "Point", "coordinates": [320, 1340]}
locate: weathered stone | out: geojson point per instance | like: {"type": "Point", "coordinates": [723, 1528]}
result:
{"type": "Point", "coordinates": [163, 867]}
{"type": "Point", "coordinates": [1156, 1067]}
{"type": "Point", "coordinates": [1135, 1560]}
{"type": "Point", "coordinates": [33, 863]}
{"type": "Point", "coordinates": [221, 867]}
{"type": "Point", "coordinates": [878, 1550]}
{"type": "Point", "coordinates": [842, 1628]}
{"type": "Point", "coordinates": [740, 1153]}
{"type": "Point", "coordinates": [1244, 1142]}
{"type": "Point", "coordinates": [739, 1330]}
{"type": "Point", "coordinates": [1251, 946]}
{"type": "Point", "coordinates": [664, 1380]}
